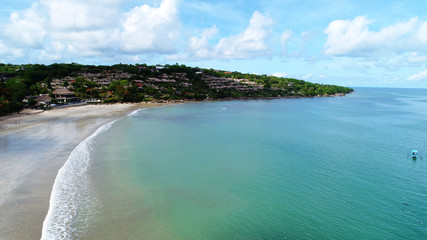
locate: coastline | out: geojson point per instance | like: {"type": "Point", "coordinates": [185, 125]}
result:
{"type": "Point", "coordinates": [33, 147]}
{"type": "Point", "coordinates": [35, 144]}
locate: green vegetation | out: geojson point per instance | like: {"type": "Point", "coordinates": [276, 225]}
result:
{"type": "Point", "coordinates": [21, 84]}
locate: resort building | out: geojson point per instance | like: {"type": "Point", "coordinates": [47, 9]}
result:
{"type": "Point", "coordinates": [43, 99]}
{"type": "Point", "coordinates": [64, 95]}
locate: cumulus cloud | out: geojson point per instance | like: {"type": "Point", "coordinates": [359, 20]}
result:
{"type": "Point", "coordinates": [9, 52]}
{"type": "Point", "coordinates": [76, 15]}
{"type": "Point", "coordinates": [286, 35]}
{"type": "Point", "coordinates": [199, 46]}
{"type": "Point", "coordinates": [55, 29]}
{"type": "Point", "coordinates": [249, 43]}
{"type": "Point", "coordinates": [26, 28]}
{"type": "Point", "coordinates": [85, 43]}
{"type": "Point", "coordinates": [419, 76]}
{"type": "Point", "coordinates": [148, 29]}
{"type": "Point", "coordinates": [354, 38]}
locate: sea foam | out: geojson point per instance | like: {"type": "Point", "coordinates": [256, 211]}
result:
{"type": "Point", "coordinates": [137, 111]}
{"type": "Point", "coordinates": [71, 199]}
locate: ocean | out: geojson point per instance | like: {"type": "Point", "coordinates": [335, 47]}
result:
{"type": "Point", "coordinates": [304, 168]}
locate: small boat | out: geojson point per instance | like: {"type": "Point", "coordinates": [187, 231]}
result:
{"type": "Point", "coordinates": [415, 155]}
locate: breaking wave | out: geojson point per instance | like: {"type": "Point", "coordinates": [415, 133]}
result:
{"type": "Point", "coordinates": [137, 111]}
{"type": "Point", "coordinates": [71, 200]}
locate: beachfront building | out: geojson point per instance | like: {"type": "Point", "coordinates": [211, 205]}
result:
{"type": "Point", "coordinates": [64, 95]}
{"type": "Point", "coordinates": [43, 99]}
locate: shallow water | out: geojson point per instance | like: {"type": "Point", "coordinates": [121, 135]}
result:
{"type": "Point", "coordinates": [319, 168]}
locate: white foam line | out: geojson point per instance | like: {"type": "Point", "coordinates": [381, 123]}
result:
{"type": "Point", "coordinates": [70, 193]}
{"type": "Point", "coordinates": [137, 111]}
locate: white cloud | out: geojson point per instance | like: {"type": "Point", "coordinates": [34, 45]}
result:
{"type": "Point", "coordinates": [85, 43]}
{"type": "Point", "coordinates": [286, 35]}
{"type": "Point", "coordinates": [419, 76]}
{"type": "Point", "coordinates": [354, 38]}
{"type": "Point", "coordinates": [307, 35]}
{"type": "Point", "coordinates": [307, 76]}
{"type": "Point", "coordinates": [26, 28]}
{"type": "Point", "coordinates": [251, 42]}
{"type": "Point", "coordinates": [200, 46]}
{"type": "Point", "coordinates": [422, 33]}
{"type": "Point", "coordinates": [278, 74]}
{"type": "Point", "coordinates": [10, 52]}
{"type": "Point", "coordinates": [3, 48]}
{"type": "Point", "coordinates": [69, 29]}
{"type": "Point", "coordinates": [415, 57]}
{"type": "Point", "coordinates": [75, 15]}
{"type": "Point", "coordinates": [148, 29]}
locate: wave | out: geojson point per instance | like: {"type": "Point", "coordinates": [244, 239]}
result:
{"type": "Point", "coordinates": [71, 199]}
{"type": "Point", "coordinates": [137, 111]}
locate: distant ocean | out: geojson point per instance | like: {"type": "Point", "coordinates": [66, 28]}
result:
{"type": "Point", "coordinates": [307, 168]}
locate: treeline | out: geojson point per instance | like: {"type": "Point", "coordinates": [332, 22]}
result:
{"type": "Point", "coordinates": [140, 82]}
{"type": "Point", "coordinates": [276, 86]}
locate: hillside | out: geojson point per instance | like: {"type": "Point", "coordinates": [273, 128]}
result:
{"type": "Point", "coordinates": [41, 86]}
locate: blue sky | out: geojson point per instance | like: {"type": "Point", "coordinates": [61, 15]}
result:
{"type": "Point", "coordinates": [353, 43]}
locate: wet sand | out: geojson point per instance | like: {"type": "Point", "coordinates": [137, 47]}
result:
{"type": "Point", "coordinates": [33, 147]}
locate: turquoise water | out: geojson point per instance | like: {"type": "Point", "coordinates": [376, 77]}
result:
{"type": "Point", "coordinates": [310, 168]}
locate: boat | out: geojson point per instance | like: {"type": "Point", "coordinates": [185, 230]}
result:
{"type": "Point", "coordinates": [414, 155]}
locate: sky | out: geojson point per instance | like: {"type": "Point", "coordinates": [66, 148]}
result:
{"type": "Point", "coordinates": [356, 43]}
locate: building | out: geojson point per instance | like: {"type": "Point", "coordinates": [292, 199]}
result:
{"type": "Point", "coordinates": [43, 99]}
{"type": "Point", "coordinates": [64, 95]}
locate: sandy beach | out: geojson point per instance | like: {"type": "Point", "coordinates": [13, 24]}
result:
{"type": "Point", "coordinates": [34, 145]}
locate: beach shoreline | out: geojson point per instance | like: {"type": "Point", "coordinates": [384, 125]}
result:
{"type": "Point", "coordinates": [34, 145]}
